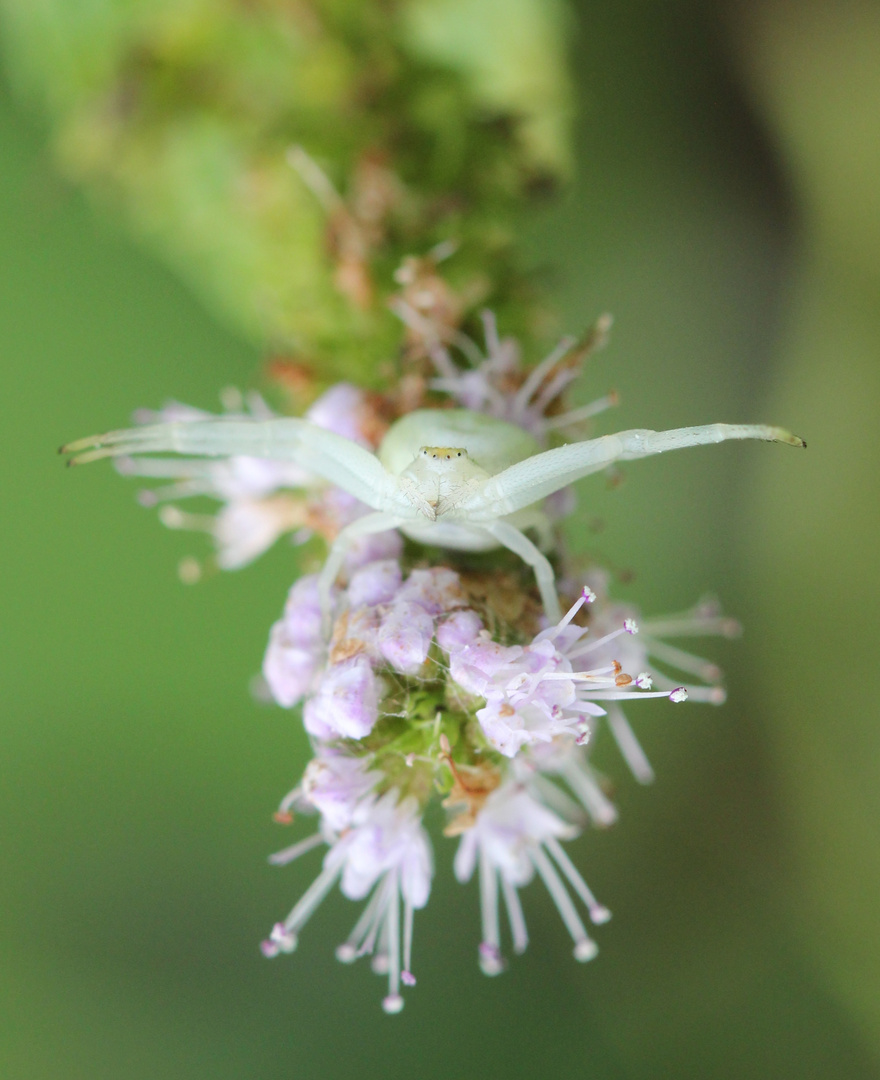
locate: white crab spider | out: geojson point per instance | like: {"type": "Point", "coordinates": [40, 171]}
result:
{"type": "Point", "coordinates": [451, 477]}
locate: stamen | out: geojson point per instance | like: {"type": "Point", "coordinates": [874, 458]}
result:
{"type": "Point", "coordinates": [443, 363]}
{"type": "Point", "coordinates": [599, 914]}
{"type": "Point", "coordinates": [515, 916]}
{"type": "Point", "coordinates": [282, 858]}
{"type": "Point", "coordinates": [315, 179]}
{"type": "Point", "coordinates": [537, 375]}
{"type": "Point", "coordinates": [406, 976]}
{"type": "Point", "coordinates": [585, 412]}
{"type": "Point", "coordinates": [597, 675]}
{"type": "Point", "coordinates": [587, 597]}
{"type": "Point", "coordinates": [381, 896]}
{"type": "Point", "coordinates": [310, 900]}
{"type": "Point", "coordinates": [597, 804]}
{"type": "Point", "coordinates": [185, 489]}
{"type": "Point", "coordinates": [553, 388]}
{"type": "Point", "coordinates": [379, 963]}
{"type": "Point", "coordinates": [685, 661]}
{"type": "Point", "coordinates": [393, 1003]}
{"type": "Point", "coordinates": [190, 570]}
{"type": "Point", "coordinates": [584, 947]}
{"type": "Point", "coordinates": [630, 748]}
{"type": "Point", "coordinates": [590, 645]}
{"type": "Point", "coordinates": [453, 386]}
{"type": "Point", "coordinates": [290, 799]}
{"type": "Point", "coordinates": [428, 330]}
{"type": "Point", "coordinates": [279, 940]}
{"type": "Point", "coordinates": [711, 695]}
{"type": "Point", "coordinates": [356, 944]}
{"type": "Point", "coordinates": [491, 961]}
{"type": "Point", "coordinates": [559, 801]}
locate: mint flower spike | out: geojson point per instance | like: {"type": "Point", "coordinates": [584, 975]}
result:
{"type": "Point", "coordinates": [383, 853]}
{"type": "Point", "coordinates": [417, 679]}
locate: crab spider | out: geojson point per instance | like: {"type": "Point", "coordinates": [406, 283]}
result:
{"type": "Point", "coordinates": [451, 477]}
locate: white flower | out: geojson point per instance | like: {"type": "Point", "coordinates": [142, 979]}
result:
{"type": "Point", "coordinates": [500, 385]}
{"type": "Point", "coordinates": [514, 835]}
{"type": "Point", "coordinates": [384, 852]}
{"type": "Point", "coordinates": [642, 646]}
{"type": "Point", "coordinates": [334, 783]}
{"type": "Point", "coordinates": [258, 507]}
{"type": "Point", "coordinates": [346, 702]}
{"type": "Point", "coordinates": [296, 647]}
{"type": "Point", "coordinates": [537, 692]}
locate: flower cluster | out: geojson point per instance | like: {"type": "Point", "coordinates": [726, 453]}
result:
{"type": "Point", "coordinates": [421, 674]}
{"type": "Point", "coordinates": [412, 695]}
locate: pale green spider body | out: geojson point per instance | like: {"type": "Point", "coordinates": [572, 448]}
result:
{"type": "Point", "coordinates": [441, 455]}
{"type": "Point", "coordinates": [450, 477]}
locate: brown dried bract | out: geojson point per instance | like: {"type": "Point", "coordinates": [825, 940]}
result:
{"type": "Point", "coordinates": [345, 643]}
{"type": "Point", "coordinates": [472, 785]}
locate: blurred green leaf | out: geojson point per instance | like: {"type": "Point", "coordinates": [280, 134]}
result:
{"type": "Point", "coordinates": [817, 575]}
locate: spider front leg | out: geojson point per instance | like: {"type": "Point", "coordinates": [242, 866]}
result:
{"type": "Point", "coordinates": [536, 477]}
{"type": "Point", "coordinates": [364, 526]}
{"type": "Point", "coordinates": [329, 456]}
{"type": "Point", "coordinates": [510, 537]}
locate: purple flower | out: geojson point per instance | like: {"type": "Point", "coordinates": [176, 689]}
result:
{"type": "Point", "coordinates": [375, 583]}
{"type": "Point", "coordinates": [346, 703]}
{"type": "Point", "coordinates": [405, 636]}
{"type": "Point", "coordinates": [296, 649]}
{"type": "Point", "coordinates": [384, 851]}
{"type": "Point", "coordinates": [459, 630]}
{"type": "Point", "coordinates": [334, 783]}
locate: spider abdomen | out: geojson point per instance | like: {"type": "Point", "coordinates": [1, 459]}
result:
{"type": "Point", "coordinates": [491, 444]}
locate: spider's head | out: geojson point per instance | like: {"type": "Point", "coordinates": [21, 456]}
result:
{"type": "Point", "coordinates": [443, 458]}
{"type": "Point", "coordinates": [438, 476]}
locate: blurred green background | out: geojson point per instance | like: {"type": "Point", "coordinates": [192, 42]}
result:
{"type": "Point", "coordinates": [726, 209]}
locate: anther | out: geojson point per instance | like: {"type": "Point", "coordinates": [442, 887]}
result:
{"type": "Point", "coordinates": [346, 953]}
{"type": "Point", "coordinates": [585, 950]}
{"type": "Point", "coordinates": [491, 960]}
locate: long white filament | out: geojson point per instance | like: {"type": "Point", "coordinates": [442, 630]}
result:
{"type": "Point", "coordinates": [584, 946]}
{"type": "Point", "coordinates": [630, 747]}
{"type": "Point", "coordinates": [515, 916]}
{"type": "Point", "coordinates": [490, 947]}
